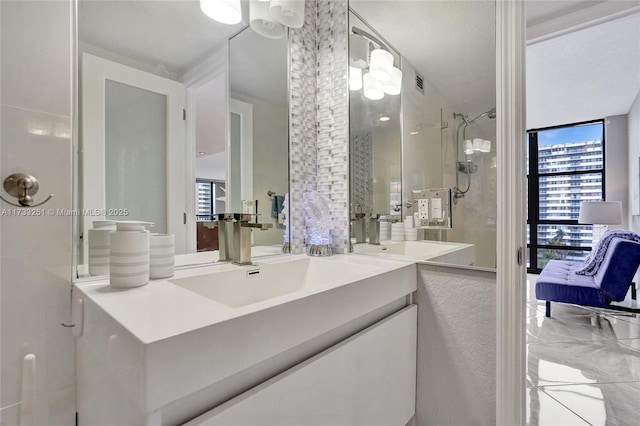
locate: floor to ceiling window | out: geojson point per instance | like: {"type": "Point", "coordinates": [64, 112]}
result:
{"type": "Point", "coordinates": [565, 167]}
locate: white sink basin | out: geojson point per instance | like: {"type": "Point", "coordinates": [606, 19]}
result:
{"type": "Point", "coordinates": [268, 280]}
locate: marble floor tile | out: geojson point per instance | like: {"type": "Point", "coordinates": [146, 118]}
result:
{"type": "Point", "coordinates": [581, 362]}
{"type": "Point", "coordinates": [586, 360]}
{"type": "Point", "coordinates": [632, 343]}
{"type": "Point", "coordinates": [542, 410]}
{"type": "Point", "coordinates": [600, 404]}
{"type": "Point", "coordinates": [568, 328]}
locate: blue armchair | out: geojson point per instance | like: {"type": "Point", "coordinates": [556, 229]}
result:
{"type": "Point", "coordinates": [559, 282]}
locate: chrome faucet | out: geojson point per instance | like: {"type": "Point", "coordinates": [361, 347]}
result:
{"type": "Point", "coordinates": [359, 227]}
{"type": "Point", "coordinates": [374, 229]}
{"type": "Point", "coordinates": [242, 228]}
{"type": "Point", "coordinates": [224, 222]}
{"type": "Point", "coordinates": [234, 236]}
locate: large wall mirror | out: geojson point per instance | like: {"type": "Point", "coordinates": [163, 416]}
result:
{"type": "Point", "coordinates": [180, 117]}
{"type": "Point", "coordinates": [423, 155]}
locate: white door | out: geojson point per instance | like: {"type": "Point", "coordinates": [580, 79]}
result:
{"type": "Point", "coordinates": [133, 153]}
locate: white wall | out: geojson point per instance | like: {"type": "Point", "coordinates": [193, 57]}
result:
{"type": "Point", "coordinates": [456, 375]}
{"type": "Point", "coordinates": [35, 277]}
{"type": "Point", "coordinates": [616, 147]}
{"type": "Point", "coordinates": [422, 152]}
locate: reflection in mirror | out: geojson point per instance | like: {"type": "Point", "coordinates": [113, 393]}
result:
{"type": "Point", "coordinates": [168, 135]}
{"type": "Point", "coordinates": [375, 150]}
{"type": "Point", "coordinates": [446, 209]}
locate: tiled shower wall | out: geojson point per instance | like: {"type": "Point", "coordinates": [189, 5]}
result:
{"type": "Point", "coordinates": [319, 145]}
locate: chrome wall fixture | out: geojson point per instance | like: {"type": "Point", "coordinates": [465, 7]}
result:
{"type": "Point", "coordinates": [381, 76]}
{"type": "Point", "coordinates": [471, 146]}
{"type": "Point", "coordinates": [22, 186]}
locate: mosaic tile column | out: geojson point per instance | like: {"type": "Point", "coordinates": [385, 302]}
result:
{"type": "Point", "coordinates": [318, 125]}
{"type": "Point", "coordinates": [302, 121]}
{"type": "Point", "coordinates": [333, 115]}
{"type": "Point", "coordinates": [361, 158]}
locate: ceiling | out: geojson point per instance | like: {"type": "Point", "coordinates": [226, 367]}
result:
{"type": "Point", "coordinates": [583, 60]}
{"type": "Point", "coordinates": [174, 35]}
{"type": "Point", "coordinates": [452, 43]}
{"type": "Point", "coordinates": [578, 50]}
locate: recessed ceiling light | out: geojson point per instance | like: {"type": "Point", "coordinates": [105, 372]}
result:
{"type": "Point", "coordinates": [384, 118]}
{"type": "Point", "coordinates": [414, 132]}
{"type": "Point", "coordinates": [202, 153]}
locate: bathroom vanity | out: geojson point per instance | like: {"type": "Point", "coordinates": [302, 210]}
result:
{"type": "Point", "coordinates": [289, 340]}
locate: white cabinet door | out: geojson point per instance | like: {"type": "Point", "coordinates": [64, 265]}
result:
{"type": "Point", "coordinates": [368, 379]}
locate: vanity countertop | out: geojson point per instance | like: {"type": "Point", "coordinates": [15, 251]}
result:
{"type": "Point", "coordinates": [162, 309]}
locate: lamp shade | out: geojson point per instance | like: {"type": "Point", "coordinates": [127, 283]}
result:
{"type": "Point", "coordinates": [288, 12]}
{"type": "Point", "coordinates": [393, 86]}
{"type": "Point", "coordinates": [355, 78]}
{"type": "Point", "coordinates": [224, 11]}
{"type": "Point", "coordinates": [600, 212]}
{"type": "Point", "coordinates": [381, 64]}
{"type": "Point", "coordinates": [261, 21]}
{"type": "Point", "coordinates": [372, 87]}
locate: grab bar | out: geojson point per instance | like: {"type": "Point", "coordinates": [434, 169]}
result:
{"type": "Point", "coordinates": [28, 397]}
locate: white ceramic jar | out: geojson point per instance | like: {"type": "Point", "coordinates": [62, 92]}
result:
{"type": "Point", "coordinates": [129, 254]}
{"type": "Point", "coordinates": [99, 238]}
{"type": "Point", "coordinates": [162, 255]}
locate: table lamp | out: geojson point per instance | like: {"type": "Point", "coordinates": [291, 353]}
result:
{"type": "Point", "coordinates": [600, 214]}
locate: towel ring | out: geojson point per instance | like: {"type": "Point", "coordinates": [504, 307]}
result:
{"type": "Point", "coordinates": [23, 186]}
{"type": "Point", "coordinates": [270, 193]}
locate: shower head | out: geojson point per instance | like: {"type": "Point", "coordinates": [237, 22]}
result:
{"type": "Point", "coordinates": [490, 113]}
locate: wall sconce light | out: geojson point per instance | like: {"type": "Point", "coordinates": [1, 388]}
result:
{"type": "Point", "coordinates": [382, 77]}
{"type": "Point", "coordinates": [224, 11]}
{"type": "Point", "coordinates": [262, 22]}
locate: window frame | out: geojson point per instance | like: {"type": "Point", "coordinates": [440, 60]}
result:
{"type": "Point", "coordinates": [533, 193]}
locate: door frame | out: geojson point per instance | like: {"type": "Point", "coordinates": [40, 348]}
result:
{"type": "Point", "coordinates": [511, 230]}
